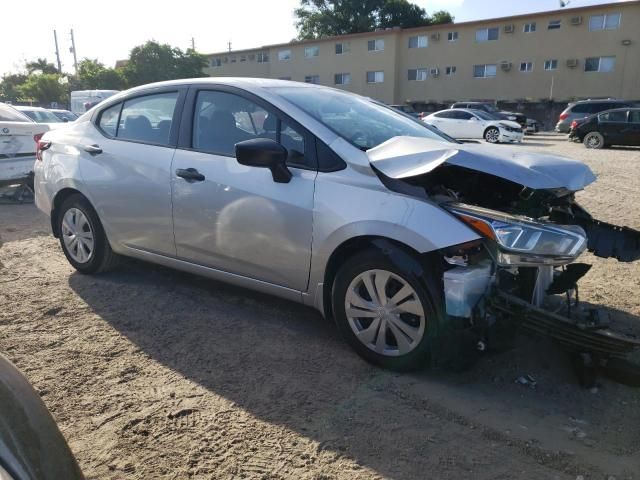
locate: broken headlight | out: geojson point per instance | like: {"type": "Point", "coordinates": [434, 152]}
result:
{"type": "Point", "coordinates": [522, 241]}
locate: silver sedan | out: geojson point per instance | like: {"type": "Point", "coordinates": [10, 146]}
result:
{"type": "Point", "coordinates": [319, 196]}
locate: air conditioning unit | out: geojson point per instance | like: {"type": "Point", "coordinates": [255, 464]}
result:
{"type": "Point", "coordinates": [434, 72]}
{"type": "Point", "coordinates": [576, 20]}
{"type": "Point", "coordinates": [509, 28]}
{"type": "Point", "coordinates": [435, 36]}
{"type": "Point", "coordinates": [505, 66]}
{"type": "Point", "coordinates": [572, 63]}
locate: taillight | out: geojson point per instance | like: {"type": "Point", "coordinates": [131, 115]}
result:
{"type": "Point", "coordinates": [574, 124]}
{"type": "Point", "coordinates": [41, 145]}
{"type": "Point", "coordinates": [563, 116]}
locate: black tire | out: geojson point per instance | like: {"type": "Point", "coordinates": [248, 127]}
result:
{"type": "Point", "coordinates": [491, 135]}
{"type": "Point", "coordinates": [102, 258]}
{"type": "Point", "coordinates": [407, 267]}
{"type": "Point", "coordinates": [594, 140]}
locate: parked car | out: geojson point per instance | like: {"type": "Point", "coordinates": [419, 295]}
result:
{"type": "Point", "coordinates": [585, 108]}
{"type": "Point", "coordinates": [42, 116]}
{"type": "Point", "coordinates": [31, 445]}
{"type": "Point", "coordinates": [64, 115]}
{"type": "Point", "coordinates": [493, 110]}
{"type": "Point", "coordinates": [330, 199]}
{"type": "Point", "coordinates": [612, 127]}
{"type": "Point", "coordinates": [464, 123]}
{"type": "Point", "coordinates": [17, 145]}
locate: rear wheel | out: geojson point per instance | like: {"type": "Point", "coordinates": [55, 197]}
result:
{"type": "Point", "coordinates": [492, 135]}
{"type": "Point", "coordinates": [82, 237]}
{"type": "Point", "coordinates": [594, 140]}
{"type": "Point", "coordinates": [384, 310]}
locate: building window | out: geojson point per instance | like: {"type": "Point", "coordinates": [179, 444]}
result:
{"type": "Point", "coordinates": [419, 41]}
{"type": "Point", "coordinates": [529, 27]}
{"type": "Point", "coordinates": [418, 74]}
{"type": "Point", "coordinates": [452, 36]}
{"type": "Point", "coordinates": [375, 77]}
{"type": "Point", "coordinates": [312, 79]}
{"type": "Point", "coordinates": [375, 45]}
{"type": "Point", "coordinates": [342, 78]}
{"type": "Point", "coordinates": [486, 34]}
{"type": "Point", "coordinates": [342, 48]}
{"type": "Point", "coordinates": [243, 58]}
{"type": "Point", "coordinates": [284, 55]}
{"type": "Point", "coordinates": [526, 66]}
{"type": "Point", "coordinates": [262, 57]}
{"type": "Point", "coordinates": [216, 62]}
{"type": "Point", "coordinates": [599, 64]}
{"type": "Point", "coordinates": [554, 24]}
{"type": "Point", "coordinates": [484, 71]}
{"type": "Point", "coordinates": [551, 65]}
{"type": "Point", "coordinates": [450, 71]}
{"type": "Point", "coordinates": [604, 22]}
{"type": "Point", "coordinates": [233, 60]}
{"type": "Point", "coordinates": [310, 52]}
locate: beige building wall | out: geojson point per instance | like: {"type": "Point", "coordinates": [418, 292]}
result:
{"type": "Point", "coordinates": [572, 41]}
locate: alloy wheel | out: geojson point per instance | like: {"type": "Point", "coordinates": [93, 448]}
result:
{"type": "Point", "coordinates": [593, 141]}
{"type": "Point", "coordinates": [77, 235]}
{"type": "Point", "coordinates": [492, 135]}
{"type": "Point", "coordinates": [385, 312]}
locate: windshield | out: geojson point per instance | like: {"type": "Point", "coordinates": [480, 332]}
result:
{"type": "Point", "coordinates": [362, 122]}
{"type": "Point", "coordinates": [488, 107]}
{"type": "Point", "coordinates": [10, 114]}
{"type": "Point", "coordinates": [42, 116]}
{"type": "Point", "coordinates": [62, 115]}
{"type": "Point", "coordinates": [484, 115]}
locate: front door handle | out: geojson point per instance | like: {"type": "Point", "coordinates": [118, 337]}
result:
{"type": "Point", "coordinates": [92, 149]}
{"type": "Point", "coordinates": [190, 174]}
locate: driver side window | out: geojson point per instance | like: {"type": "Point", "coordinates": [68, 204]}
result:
{"type": "Point", "coordinates": [223, 119]}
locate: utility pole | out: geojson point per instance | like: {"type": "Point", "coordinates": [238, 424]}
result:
{"type": "Point", "coordinates": [229, 45]}
{"type": "Point", "coordinates": [193, 44]}
{"type": "Point", "coordinates": [73, 50]}
{"type": "Point", "coordinates": [55, 38]}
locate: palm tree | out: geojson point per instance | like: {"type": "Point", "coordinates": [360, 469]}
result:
{"type": "Point", "coordinates": [41, 65]}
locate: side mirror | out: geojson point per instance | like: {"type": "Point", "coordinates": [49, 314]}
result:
{"type": "Point", "coordinates": [264, 153]}
{"type": "Point", "coordinates": [473, 119]}
{"type": "Point", "coordinates": [65, 120]}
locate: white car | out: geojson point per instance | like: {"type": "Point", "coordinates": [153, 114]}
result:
{"type": "Point", "coordinates": [17, 144]}
{"type": "Point", "coordinates": [42, 115]}
{"type": "Point", "coordinates": [467, 123]}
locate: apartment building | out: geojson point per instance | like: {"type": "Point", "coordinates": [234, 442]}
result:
{"type": "Point", "coordinates": [564, 54]}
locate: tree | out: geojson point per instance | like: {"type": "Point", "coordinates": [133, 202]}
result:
{"type": "Point", "coordinates": [154, 62]}
{"type": "Point", "coordinates": [323, 18]}
{"type": "Point", "coordinates": [44, 88]}
{"type": "Point", "coordinates": [41, 65]}
{"type": "Point", "coordinates": [10, 87]}
{"type": "Point", "coordinates": [93, 75]}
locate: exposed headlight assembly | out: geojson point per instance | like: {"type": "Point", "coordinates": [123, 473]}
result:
{"type": "Point", "coordinates": [522, 241]}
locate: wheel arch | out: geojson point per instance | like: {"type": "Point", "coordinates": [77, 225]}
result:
{"type": "Point", "coordinates": [57, 202]}
{"type": "Point", "coordinates": [357, 244]}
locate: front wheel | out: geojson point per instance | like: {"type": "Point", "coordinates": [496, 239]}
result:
{"type": "Point", "coordinates": [594, 140]}
{"type": "Point", "coordinates": [82, 237]}
{"type": "Point", "coordinates": [492, 135]}
{"type": "Point", "coordinates": [384, 310]}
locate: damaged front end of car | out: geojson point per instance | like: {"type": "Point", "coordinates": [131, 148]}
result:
{"type": "Point", "coordinates": [522, 272]}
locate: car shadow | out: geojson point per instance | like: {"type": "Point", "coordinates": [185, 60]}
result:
{"type": "Point", "coordinates": [285, 364]}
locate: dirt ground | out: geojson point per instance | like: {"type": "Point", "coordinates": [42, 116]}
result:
{"type": "Point", "coordinates": [156, 374]}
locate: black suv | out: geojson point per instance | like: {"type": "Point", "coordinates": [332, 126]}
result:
{"type": "Point", "coordinates": [491, 108]}
{"type": "Point", "coordinates": [583, 108]}
{"type": "Point", "coordinates": [612, 127]}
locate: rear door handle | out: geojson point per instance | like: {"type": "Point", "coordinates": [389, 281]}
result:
{"type": "Point", "coordinates": [92, 149]}
{"type": "Point", "coordinates": [190, 174]}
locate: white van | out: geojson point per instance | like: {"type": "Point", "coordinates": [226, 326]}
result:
{"type": "Point", "coordinates": [83, 100]}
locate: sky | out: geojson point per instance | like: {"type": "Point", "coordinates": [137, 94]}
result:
{"type": "Point", "coordinates": [109, 30]}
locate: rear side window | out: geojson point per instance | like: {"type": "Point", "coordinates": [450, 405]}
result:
{"type": "Point", "coordinates": [581, 108]}
{"type": "Point", "coordinates": [619, 116]}
{"type": "Point", "coordinates": [446, 114]}
{"type": "Point", "coordinates": [9, 114]}
{"type": "Point", "coordinates": [223, 119]}
{"type": "Point", "coordinates": [634, 116]}
{"type": "Point", "coordinates": [148, 119]}
{"type": "Point", "coordinates": [108, 122]}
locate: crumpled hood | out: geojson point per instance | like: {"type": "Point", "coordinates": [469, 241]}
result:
{"type": "Point", "coordinates": [403, 157]}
